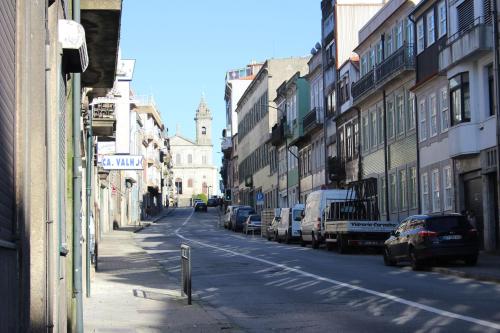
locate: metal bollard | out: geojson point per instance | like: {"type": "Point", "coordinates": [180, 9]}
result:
{"type": "Point", "coordinates": [186, 271]}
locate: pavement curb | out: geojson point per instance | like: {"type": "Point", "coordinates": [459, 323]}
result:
{"type": "Point", "coordinates": [467, 275]}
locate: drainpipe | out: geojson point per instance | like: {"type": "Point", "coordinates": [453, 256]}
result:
{"type": "Point", "coordinates": [89, 161]}
{"type": "Point", "coordinates": [77, 185]}
{"type": "Point", "coordinates": [48, 173]}
{"type": "Point", "coordinates": [496, 76]}
{"type": "Point", "coordinates": [386, 167]}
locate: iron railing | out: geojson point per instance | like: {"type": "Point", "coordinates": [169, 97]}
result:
{"type": "Point", "coordinates": [311, 120]}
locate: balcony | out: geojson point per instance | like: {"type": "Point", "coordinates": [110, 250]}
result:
{"type": "Point", "coordinates": [101, 20]}
{"type": "Point", "coordinates": [465, 44]}
{"type": "Point", "coordinates": [401, 60]}
{"type": "Point", "coordinates": [278, 134]}
{"type": "Point", "coordinates": [313, 120]}
{"type": "Point", "coordinates": [463, 139]}
{"type": "Point", "coordinates": [103, 118]}
{"type": "Point", "coordinates": [363, 85]}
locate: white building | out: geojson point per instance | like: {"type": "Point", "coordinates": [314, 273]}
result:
{"type": "Point", "coordinates": [193, 168]}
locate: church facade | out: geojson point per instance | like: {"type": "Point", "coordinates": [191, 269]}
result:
{"type": "Point", "coordinates": [193, 168]}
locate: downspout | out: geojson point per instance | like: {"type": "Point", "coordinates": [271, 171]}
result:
{"type": "Point", "coordinates": [386, 169]}
{"type": "Point", "coordinates": [496, 76]}
{"type": "Point", "coordinates": [89, 161]}
{"type": "Point", "coordinates": [77, 185]}
{"type": "Point", "coordinates": [48, 173]}
{"type": "Point", "coordinates": [360, 164]}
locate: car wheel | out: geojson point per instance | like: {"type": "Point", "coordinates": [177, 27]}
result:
{"type": "Point", "coordinates": [416, 264]}
{"type": "Point", "coordinates": [287, 238]}
{"type": "Point", "coordinates": [471, 260]}
{"type": "Point", "coordinates": [314, 242]}
{"type": "Point", "coordinates": [388, 261]}
{"type": "Point", "coordinates": [329, 246]}
{"type": "Point", "coordinates": [342, 242]}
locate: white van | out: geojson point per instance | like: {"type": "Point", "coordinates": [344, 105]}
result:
{"type": "Point", "coordinates": [289, 226]}
{"type": "Point", "coordinates": [312, 225]}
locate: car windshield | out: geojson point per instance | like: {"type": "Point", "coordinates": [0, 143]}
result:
{"type": "Point", "coordinates": [255, 218]}
{"type": "Point", "coordinates": [244, 212]}
{"type": "Point", "coordinates": [447, 223]}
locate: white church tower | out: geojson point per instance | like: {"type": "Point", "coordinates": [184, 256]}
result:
{"type": "Point", "coordinates": [203, 119]}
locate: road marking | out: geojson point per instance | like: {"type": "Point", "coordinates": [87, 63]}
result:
{"type": "Point", "coordinates": [393, 298]}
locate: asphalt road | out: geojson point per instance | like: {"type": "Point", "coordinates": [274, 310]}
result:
{"type": "Point", "coordinates": [261, 286]}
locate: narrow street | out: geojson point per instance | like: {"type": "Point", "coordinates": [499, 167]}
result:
{"type": "Point", "coordinates": [265, 286]}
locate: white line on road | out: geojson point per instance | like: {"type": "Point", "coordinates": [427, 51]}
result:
{"type": "Point", "coordinates": [393, 298]}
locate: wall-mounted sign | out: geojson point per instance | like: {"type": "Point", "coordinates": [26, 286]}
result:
{"type": "Point", "coordinates": [122, 162]}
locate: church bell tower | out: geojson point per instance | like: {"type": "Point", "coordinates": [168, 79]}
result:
{"type": "Point", "coordinates": [203, 121]}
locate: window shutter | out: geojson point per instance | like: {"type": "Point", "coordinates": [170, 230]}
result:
{"type": "Point", "coordinates": [465, 15]}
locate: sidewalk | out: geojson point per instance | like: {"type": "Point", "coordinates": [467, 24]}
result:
{"type": "Point", "coordinates": [487, 269]}
{"type": "Point", "coordinates": [131, 293]}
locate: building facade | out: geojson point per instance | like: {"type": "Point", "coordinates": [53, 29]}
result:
{"type": "Point", "coordinates": [193, 169]}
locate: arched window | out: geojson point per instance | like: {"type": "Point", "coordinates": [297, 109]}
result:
{"type": "Point", "coordinates": [178, 185]}
{"type": "Point", "coordinates": [190, 183]}
{"type": "Point", "coordinates": [178, 158]}
{"type": "Point", "coordinates": [203, 130]}
{"type": "Point", "coordinates": [190, 158]}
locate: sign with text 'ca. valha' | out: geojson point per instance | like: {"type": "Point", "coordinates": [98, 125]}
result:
{"type": "Point", "coordinates": [122, 162]}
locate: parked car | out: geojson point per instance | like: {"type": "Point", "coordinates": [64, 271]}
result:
{"type": "Point", "coordinates": [289, 226]}
{"type": "Point", "coordinates": [200, 206]}
{"type": "Point", "coordinates": [240, 216]}
{"type": "Point", "coordinates": [227, 215]}
{"type": "Point", "coordinates": [272, 229]}
{"type": "Point", "coordinates": [212, 202]}
{"type": "Point", "coordinates": [422, 238]}
{"type": "Point", "coordinates": [253, 224]}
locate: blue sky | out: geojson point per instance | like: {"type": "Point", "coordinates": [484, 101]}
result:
{"type": "Point", "coordinates": [184, 48]}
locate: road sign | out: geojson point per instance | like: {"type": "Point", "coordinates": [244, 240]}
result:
{"type": "Point", "coordinates": [260, 198]}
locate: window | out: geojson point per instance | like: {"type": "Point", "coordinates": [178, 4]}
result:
{"type": "Point", "coordinates": [204, 159]}
{"type": "Point", "coordinates": [371, 62]}
{"type": "Point", "coordinates": [410, 105]}
{"type": "Point", "coordinates": [342, 143]}
{"type": "Point", "coordinates": [442, 19]}
{"type": "Point", "coordinates": [399, 35]}
{"type": "Point", "coordinates": [349, 142]}
{"type": "Point", "coordinates": [403, 201]}
{"type": "Point", "coordinates": [448, 194]}
{"type": "Point", "coordinates": [355, 143]}
{"type": "Point", "coordinates": [365, 134]}
{"type": "Point", "coordinates": [412, 188]}
{"type": "Point", "coordinates": [425, 193]}
{"type": "Point", "coordinates": [491, 90]}
{"type": "Point", "coordinates": [178, 185]}
{"type": "Point", "coordinates": [436, 203]}
{"type": "Point", "coordinates": [373, 129]}
{"type": "Point", "coordinates": [409, 31]}
{"type": "Point", "coordinates": [445, 116]}
{"type": "Point", "coordinates": [465, 13]}
{"type": "Point", "coordinates": [380, 55]}
{"type": "Point", "coordinates": [390, 119]}
{"type": "Point", "coordinates": [178, 159]}
{"type": "Point", "coordinates": [190, 183]}
{"type": "Point", "coordinates": [392, 193]}
{"type": "Point", "coordinates": [433, 117]}
{"type": "Point", "coordinates": [459, 98]}
{"type": "Point", "coordinates": [431, 33]}
{"type": "Point", "coordinates": [400, 109]}
{"type": "Point", "coordinates": [423, 120]}
{"type": "Point", "coordinates": [420, 35]}
{"type": "Point", "coordinates": [190, 159]}
{"type": "Point", "coordinates": [380, 125]}
{"type": "Point", "coordinates": [388, 44]}
{"type": "Point", "coordinates": [203, 130]}
{"type": "Point", "coordinates": [364, 65]}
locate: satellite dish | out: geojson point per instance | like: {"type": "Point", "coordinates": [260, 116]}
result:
{"type": "Point", "coordinates": [318, 46]}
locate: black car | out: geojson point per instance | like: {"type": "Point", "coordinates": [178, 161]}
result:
{"type": "Point", "coordinates": [200, 206]}
{"type": "Point", "coordinates": [212, 202]}
{"type": "Point", "coordinates": [240, 216]}
{"type": "Point", "coordinates": [423, 238]}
